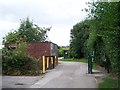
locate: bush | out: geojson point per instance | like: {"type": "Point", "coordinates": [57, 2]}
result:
{"type": "Point", "coordinates": [16, 62]}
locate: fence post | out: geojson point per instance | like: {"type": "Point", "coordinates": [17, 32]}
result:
{"type": "Point", "coordinates": [43, 60]}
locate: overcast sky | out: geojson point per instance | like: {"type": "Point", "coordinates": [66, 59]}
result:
{"type": "Point", "coordinates": [60, 14]}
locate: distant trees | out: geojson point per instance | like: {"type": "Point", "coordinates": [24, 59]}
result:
{"type": "Point", "coordinates": [60, 52]}
{"type": "Point", "coordinates": [101, 34]}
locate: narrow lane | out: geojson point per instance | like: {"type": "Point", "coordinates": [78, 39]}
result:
{"type": "Point", "coordinates": [67, 75]}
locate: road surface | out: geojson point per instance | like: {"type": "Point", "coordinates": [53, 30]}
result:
{"type": "Point", "coordinates": [65, 75]}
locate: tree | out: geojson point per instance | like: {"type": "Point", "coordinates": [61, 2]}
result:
{"type": "Point", "coordinates": [27, 32]}
{"type": "Point", "coordinates": [106, 17]}
{"type": "Point", "coordinates": [11, 37]}
{"type": "Point", "coordinates": [101, 34]}
{"type": "Point", "coordinates": [79, 36]}
{"type": "Point", "coordinates": [16, 61]}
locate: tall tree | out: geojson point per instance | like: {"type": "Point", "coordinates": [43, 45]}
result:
{"type": "Point", "coordinates": [27, 32]}
{"type": "Point", "coordinates": [79, 36]}
{"type": "Point", "coordinates": [106, 17]}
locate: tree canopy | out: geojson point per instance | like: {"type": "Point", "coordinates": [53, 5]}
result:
{"type": "Point", "coordinates": [102, 34]}
{"type": "Point", "coordinates": [27, 32]}
{"type": "Point", "coordinates": [79, 36]}
{"type": "Point", "coordinates": [16, 61]}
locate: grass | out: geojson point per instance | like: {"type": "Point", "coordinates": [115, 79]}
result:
{"type": "Point", "coordinates": [109, 82]}
{"type": "Point", "coordinates": [95, 66]}
{"type": "Point", "coordinates": [74, 60]}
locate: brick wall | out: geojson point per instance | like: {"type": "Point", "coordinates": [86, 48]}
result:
{"type": "Point", "coordinates": [38, 49]}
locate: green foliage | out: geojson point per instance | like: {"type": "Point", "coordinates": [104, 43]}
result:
{"type": "Point", "coordinates": [79, 36]}
{"type": "Point", "coordinates": [27, 32]}
{"type": "Point", "coordinates": [106, 17]}
{"type": "Point", "coordinates": [16, 62]}
{"type": "Point", "coordinates": [74, 60]}
{"type": "Point", "coordinates": [60, 52]}
{"type": "Point", "coordinates": [108, 82]}
{"type": "Point", "coordinates": [102, 34]}
{"type": "Point", "coordinates": [11, 37]}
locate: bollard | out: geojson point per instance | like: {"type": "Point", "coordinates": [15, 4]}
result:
{"type": "Point", "coordinates": [47, 62]}
{"type": "Point", "coordinates": [55, 60]}
{"type": "Point", "coordinates": [52, 60]}
{"type": "Point", "coordinates": [43, 60]}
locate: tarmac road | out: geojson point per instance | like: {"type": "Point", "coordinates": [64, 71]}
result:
{"type": "Point", "coordinates": [67, 75]}
{"type": "Point", "coordinates": [19, 81]}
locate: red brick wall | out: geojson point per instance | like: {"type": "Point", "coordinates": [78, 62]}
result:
{"type": "Point", "coordinates": [38, 49]}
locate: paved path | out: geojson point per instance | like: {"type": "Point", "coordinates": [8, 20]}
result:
{"type": "Point", "coordinates": [67, 75]}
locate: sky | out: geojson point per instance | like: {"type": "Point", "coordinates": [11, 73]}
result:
{"type": "Point", "coordinates": [61, 15]}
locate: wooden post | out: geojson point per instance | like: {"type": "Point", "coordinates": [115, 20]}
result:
{"type": "Point", "coordinates": [43, 60]}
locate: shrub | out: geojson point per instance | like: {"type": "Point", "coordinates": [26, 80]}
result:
{"type": "Point", "coordinates": [16, 62]}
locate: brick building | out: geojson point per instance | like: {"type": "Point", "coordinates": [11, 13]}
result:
{"type": "Point", "coordinates": [39, 49]}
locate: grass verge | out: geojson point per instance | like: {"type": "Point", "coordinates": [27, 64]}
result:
{"type": "Point", "coordinates": [109, 82]}
{"type": "Point", "coordinates": [74, 60]}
